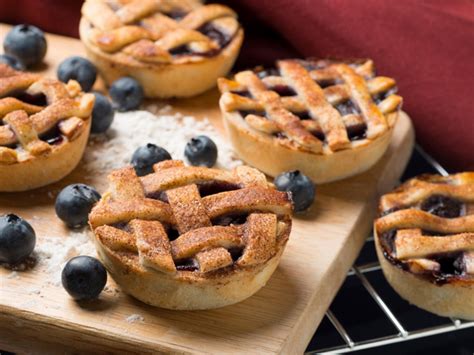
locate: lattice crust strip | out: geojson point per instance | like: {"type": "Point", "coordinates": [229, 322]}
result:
{"type": "Point", "coordinates": [458, 186]}
{"type": "Point", "coordinates": [418, 251]}
{"type": "Point", "coordinates": [314, 105]}
{"type": "Point", "coordinates": [149, 30]}
{"type": "Point", "coordinates": [421, 237]}
{"type": "Point", "coordinates": [24, 123]}
{"type": "Point", "coordinates": [131, 224]}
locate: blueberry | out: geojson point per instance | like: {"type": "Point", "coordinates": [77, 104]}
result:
{"type": "Point", "coordinates": [12, 61]}
{"type": "Point", "coordinates": [27, 43]}
{"type": "Point", "coordinates": [299, 185]}
{"type": "Point", "coordinates": [74, 203]}
{"type": "Point", "coordinates": [102, 114]}
{"type": "Point", "coordinates": [17, 239]}
{"type": "Point", "coordinates": [144, 157]}
{"type": "Point", "coordinates": [201, 151]}
{"type": "Point", "coordinates": [79, 69]}
{"type": "Point", "coordinates": [126, 93]}
{"type": "Point", "coordinates": [84, 277]}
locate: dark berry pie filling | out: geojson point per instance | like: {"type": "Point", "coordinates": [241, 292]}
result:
{"type": "Point", "coordinates": [173, 233]}
{"type": "Point", "coordinates": [181, 50]}
{"type": "Point", "coordinates": [245, 113]}
{"type": "Point", "coordinates": [283, 90]}
{"type": "Point", "coordinates": [347, 108]}
{"type": "Point", "coordinates": [37, 99]}
{"type": "Point", "coordinates": [443, 206]}
{"type": "Point", "coordinates": [215, 34]}
{"type": "Point", "coordinates": [313, 65]}
{"type": "Point", "coordinates": [211, 31]}
{"type": "Point", "coordinates": [192, 264]}
{"type": "Point", "coordinates": [302, 115]}
{"type": "Point", "coordinates": [328, 82]}
{"type": "Point", "coordinates": [387, 239]}
{"type": "Point", "coordinates": [320, 135]}
{"type": "Point", "coordinates": [378, 98]}
{"type": "Point", "coordinates": [357, 132]}
{"type": "Point", "coordinates": [451, 265]}
{"type": "Point", "coordinates": [215, 187]}
{"type": "Point", "coordinates": [230, 219]}
{"type": "Point", "coordinates": [186, 265]}
{"type": "Point", "coordinates": [264, 72]}
{"type": "Point", "coordinates": [158, 195]}
{"type": "Point", "coordinates": [236, 253]}
{"type": "Point", "coordinates": [244, 93]}
{"type": "Point", "coordinates": [53, 136]}
{"type": "Point", "coordinates": [205, 189]}
{"type": "Point", "coordinates": [122, 226]}
{"type": "Point", "coordinates": [280, 135]}
{"type": "Point", "coordinates": [176, 14]}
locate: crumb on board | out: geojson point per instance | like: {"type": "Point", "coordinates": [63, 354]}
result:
{"type": "Point", "coordinates": [135, 318]}
{"type": "Point", "coordinates": [13, 275]}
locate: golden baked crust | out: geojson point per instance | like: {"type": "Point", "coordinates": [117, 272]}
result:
{"type": "Point", "coordinates": [162, 39]}
{"type": "Point", "coordinates": [206, 228]}
{"type": "Point", "coordinates": [313, 111]}
{"type": "Point", "coordinates": [43, 120]}
{"type": "Point", "coordinates": [426, 235]}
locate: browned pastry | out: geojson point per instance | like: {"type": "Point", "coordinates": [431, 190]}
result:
{"type": "Point", "coordinates": [328, 119]}
{"type": "Point", "coordinates": [43, 131]}
{"type": "Point", "coordinates": [425, 243]}
{"type": "Point", "coordinates": [174, 48]}
{"type": "Point", "coordinates": [191, 237]}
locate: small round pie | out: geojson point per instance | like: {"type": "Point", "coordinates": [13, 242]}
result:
{"type": "Point", "coordinates": [425, 243]}
{"type": "Point", "coordinates": [44, 129]}
{"type": "Point", "coordinates": [189, 237]}
{"type": "Point", "coordinates": [329, 119]}
{"type": "Point", "coordinates": [174, 48]}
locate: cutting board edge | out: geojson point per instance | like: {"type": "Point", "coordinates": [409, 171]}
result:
{"type": "Point", "coordinates": [385, 184]}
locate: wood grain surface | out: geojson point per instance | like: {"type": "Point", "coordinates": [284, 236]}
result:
{"type": "Point", "coordinates": [281, 318]}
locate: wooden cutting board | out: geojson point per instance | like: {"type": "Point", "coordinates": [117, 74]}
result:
{"type": "Point", "coordinates": [281, 318]}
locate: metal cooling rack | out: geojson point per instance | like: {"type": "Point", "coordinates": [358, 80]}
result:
{"type": "Point", "coordinates": [402, 335]}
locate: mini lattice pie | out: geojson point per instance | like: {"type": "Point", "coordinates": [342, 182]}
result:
{"type": "Point", "coordinates": [328, 119]}
{"type": "Point", "coordinates": [191, 237]}
{"type": "Point", "coordinates": [44, 129]}
{"type": "Point", "coordinates": [425, 243]}
{"type": "Point", "coordinates": [174, 48]}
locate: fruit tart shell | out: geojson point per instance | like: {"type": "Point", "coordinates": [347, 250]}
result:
{"type": "Point", "coordinates": [164, 80]}
{"type": "Point", "coordinates": [451, 299]}
{"type": "Point", "coordinates": [190, 292]}
{"type": "Point", "coordinates": [45, 169]}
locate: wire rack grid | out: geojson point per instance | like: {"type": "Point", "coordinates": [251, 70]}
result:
{"type": "Point", "coordinates": [402, 334]}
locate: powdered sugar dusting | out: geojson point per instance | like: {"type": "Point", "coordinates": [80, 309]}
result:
{"type": "Point", "coordinates": [135, 318]}
{"type": "Point", "coordinates": [131, 130]}
{"type": "Point", "coordinates": [53, 252]}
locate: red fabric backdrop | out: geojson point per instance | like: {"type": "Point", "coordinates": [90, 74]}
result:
{"type": "Point", "coordinates": [426, 45]}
